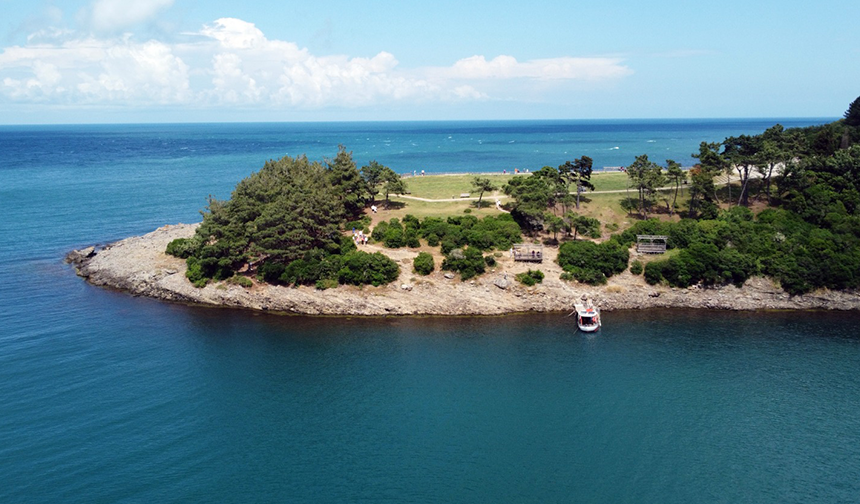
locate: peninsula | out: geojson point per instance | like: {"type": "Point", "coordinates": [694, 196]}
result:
{"type": "Point", "coordinates": [326, 237]}
{"type": "Point", "coordinates": [139, 266]}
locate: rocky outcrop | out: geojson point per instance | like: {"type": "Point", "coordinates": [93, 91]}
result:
{"type": "Point", "coordinates": [139, 266]}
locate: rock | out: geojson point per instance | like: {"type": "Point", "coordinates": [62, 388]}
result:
{"type": "Point", "coordinates": [406, 287]}
{"type": "Point", "coordinates": [77, 257]}
{"type": "Point", "coordinates": [449, 276]}
{"type": "Point", "coordinates": [502, 283]}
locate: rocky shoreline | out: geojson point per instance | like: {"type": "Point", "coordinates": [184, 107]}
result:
{"type": "Point", "coordinates": [138, 265]}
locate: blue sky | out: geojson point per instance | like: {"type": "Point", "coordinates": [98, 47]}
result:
{"type": "Point", "coordinates": [81, 61]}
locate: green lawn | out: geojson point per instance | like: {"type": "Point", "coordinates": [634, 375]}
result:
{"type": "Point", "coordinates": [448, 186]}
{"type": "Point", "coordinates": [452, 186]}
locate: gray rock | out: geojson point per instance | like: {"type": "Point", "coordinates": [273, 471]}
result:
{"type": "Point", "coordinates": [502, 283]}
{"type": "Point", "coordinates": [406, 287]}
{"type": "Point", "coordinates": [449, 276]}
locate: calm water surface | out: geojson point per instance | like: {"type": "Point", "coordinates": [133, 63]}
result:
{"type": "Point", "coordinates": [109, 398]}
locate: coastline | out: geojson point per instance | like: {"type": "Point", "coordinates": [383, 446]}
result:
{"type": "Point", "coordinates": [139, 266]}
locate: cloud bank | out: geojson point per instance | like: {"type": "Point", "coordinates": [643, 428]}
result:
{"type": "Point", "coordinates": [232, 62]}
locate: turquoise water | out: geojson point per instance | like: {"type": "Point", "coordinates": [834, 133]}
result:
{"type": "Point", "coordinates": [109, 398]}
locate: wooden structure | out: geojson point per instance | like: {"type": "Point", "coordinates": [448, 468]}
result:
{"type": "Point", "coordinates": [530, 252]}
{"type": "Point", "coordinates": [651, 244]}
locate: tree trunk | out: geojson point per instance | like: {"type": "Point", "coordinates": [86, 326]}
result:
{"type": "Point", "coordinates": [675, 199]}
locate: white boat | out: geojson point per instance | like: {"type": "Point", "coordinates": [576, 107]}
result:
{"type": "Point", "coordinates": [587, 317]}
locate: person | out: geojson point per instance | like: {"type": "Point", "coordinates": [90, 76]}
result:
{"type": "Point", "coordinates": [373, 208]}
{"type": "Point", "coordinates": [422, 173]}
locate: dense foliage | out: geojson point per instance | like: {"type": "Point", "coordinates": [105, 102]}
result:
{"type": "Point", "coordinates": [592, 263]}
{"type": "Point", "coordinates": [469, 262]}
{"type": "Point", "coordinates": [423, 264]}
{"type": "Point", "coordinates": [491, 232]}
{"type": "Point", "coordinates": [285, 221]}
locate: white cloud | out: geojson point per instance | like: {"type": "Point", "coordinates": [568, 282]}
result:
{"type": "Point", "coordinates": [232, 62]}
{"type": "Point", "coordinates": [507, 67]}
{"type": "Point", "coordinates": [116, 15]}
{"type": "Point", "coordinates": [100, 71]}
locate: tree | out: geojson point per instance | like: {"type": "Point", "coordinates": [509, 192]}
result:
{"type": "Point", "coordinates": [741, 153]}
{"type": "Point", "coordinates": [647, 176]}
{"type": "Point", "coordinates": [482, 185]}
{"type": "Point", "coordinates": [582, 173]}
{"type": "Point", "coordinates": [578, 172]}
{"type": "Point", "coordinates": [703, 191]}
{"type": "Point", "coordinates": [392, 183]}
{"type": "Point", "coordinates": [554, 224]}
{"type": "Point", "coordinates": [532, 195]}
{"type": "Point", "coordinates": [346, 181]}
{"type": "Point", "coordinates": [581, 224]}
{"type": "Point", "coordinates": [554, 182]}
{"type": "Point", "coordinates": [372, 175]}
{"type": "Point", "coordinates": [852, 115]}
{"type": "Point", "coordinates": [677, 176]}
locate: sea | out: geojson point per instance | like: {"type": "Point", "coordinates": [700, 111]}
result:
{"type": "Point", "coordinates": [109, 398]}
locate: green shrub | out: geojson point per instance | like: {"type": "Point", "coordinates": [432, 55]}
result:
{"type": "Point", "coordinates": [379, 231]}
{"type": "Point", "coordinates": [411, 238]}
{"type": "Point", "coordinates": [636, 268]}
{"type": "Point", "coordinates": [326, 283]}
{"type": "Point", "coordinates": [182, 248]}
{"type": "Point", "coordinates": [490, 260]}
{"type": "Point", "coordinates": [593, 263]}
{"type": "Point", "coordinates": [653, 273]}
{"type": "Point", "coordinates": [530, 277]}
{"type": "Point", "coordinates": [194, 273]}
{"type": "Point", "coordinates": [469, 262]}
{"type": "Point", "coordinates": [393, 237]}
{"type": "Point", "coordinates": [467, 211]}
{"type": "Point", "coordinates": [241, 281]}
{"type": "Point", "coordinates": [270, 272]}
{"type": "Point", "coordinates": [361, 268]}
{"type": "Point", "coordinates": [423, 264]}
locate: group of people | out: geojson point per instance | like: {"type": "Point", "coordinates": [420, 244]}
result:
{"type": "Point", "coordinates": [359, 238]}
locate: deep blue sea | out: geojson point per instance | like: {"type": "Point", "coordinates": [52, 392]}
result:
{"type": "Point", "coordinates": [108, 398]}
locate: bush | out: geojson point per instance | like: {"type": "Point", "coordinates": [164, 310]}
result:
{"type": "Point", "coordinates": [326, 283]}
{"type": "Point", "coordinates": [530, 277]}
{"type": "Point", "coordinates": [587, 276]}
{"type": "Point", "coordinates": [593, 263]}
{"type": "Point", "coordinates": [182, 248]}
{"type": "Point", "coordinates": [270, 272]}
{"type": "Point", "coordinates": [469, 262]}
{"type": "Point", "coordinates": [361, 268]}
{"type": "Point", "coordinates": [423, 264]}
{"type": "Point", "coordinates": [195, 272]}
{"type": "Point", "coordinates": [241, 281]}
{"type": "Point", "coordinates": [653, 273]}
{"type": "Point", "coordinates": [490, 260]}
{"type": "Point", "coordinates": [394, 236]}
{"type": "Point", "coordinates": [636, 268]}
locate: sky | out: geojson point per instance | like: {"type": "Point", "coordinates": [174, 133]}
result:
{"type": "Point", "coordinates": [130, 61]}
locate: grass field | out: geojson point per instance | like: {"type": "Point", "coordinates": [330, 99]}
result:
{"type": "Point", "coordinates": [446, 190]}
{"type": "Point", "coordinates": [452, 186]}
